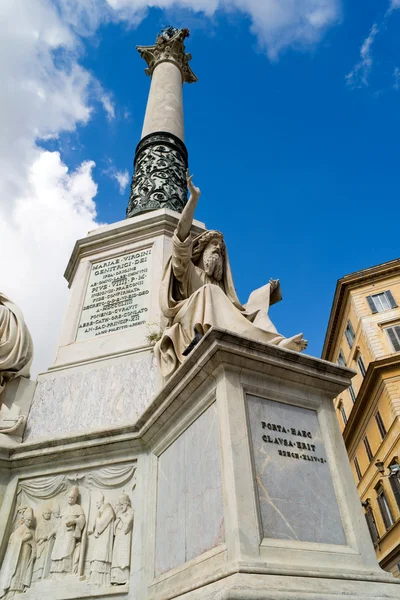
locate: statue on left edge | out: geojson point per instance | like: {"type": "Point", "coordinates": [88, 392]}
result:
{"type": "Point", "coordinates": [16, 347]}
{"type": "Point", "coordinates": [16, 572]}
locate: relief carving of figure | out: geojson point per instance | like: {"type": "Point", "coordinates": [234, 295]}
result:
{"type": "Point", "coordinates": [121, 557]}
{"type": "Point", "coordinates": [197, 293]}
{"type": "Point", "coordinates": [16, 572]}
{"type": "Point", "coordinates": [103, 532]}
{"type": "Point", "coordinates": [43, 536]}
{"type": "Point", "coordinates": [16, 348]}
{"type": "Point", "coordinates": [67, 544]}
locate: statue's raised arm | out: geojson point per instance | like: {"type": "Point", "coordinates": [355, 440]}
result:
{"type": "Point", "coordinates": [186, 220]}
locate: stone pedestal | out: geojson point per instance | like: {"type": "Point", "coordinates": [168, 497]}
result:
{"type": "Point", "coordinates": [104, 371]}
{"type": "Point", "coordinates": [238, 478]}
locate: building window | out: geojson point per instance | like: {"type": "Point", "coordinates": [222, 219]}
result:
{"type": "Point", "coordinates": [368, 449]}
{"type": "Point", "coordinates": [381, 426]}
{"type": "Point", "coordinates": [341, 360]}
{"type": "Point", "coordinates": [352, 392]}
{"type": "Point", "coordinates": [373, 529]}
{"type": "Point", "coordinates": [394, 479]}
{"type": "Point", "coordinates": [381, 302]}
{"type": "Point", "coordinates": [384, 507]}
{"type": "Point", "coordinates": [361, 365]}
{"type": "Point", "coordinates": [358, 470]}
{"type": "Point", "coordinates": [394, 336]}
{"type": "Point", "coordinates": [349, 333]}
{"type": "Point", "coordinates": [343, 413]}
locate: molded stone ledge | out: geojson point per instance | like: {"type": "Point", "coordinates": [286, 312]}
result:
{"type": "Point", "coordinates": [217, 350]}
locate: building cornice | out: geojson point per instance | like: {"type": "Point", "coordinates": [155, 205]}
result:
{"type": "Point", "coordinates": [343, 288]}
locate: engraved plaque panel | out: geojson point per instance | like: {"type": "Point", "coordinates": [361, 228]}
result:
{"type": "Point", "coordinates": [294, 482]}
{"type": "Point", "coordinates": [117, 296]}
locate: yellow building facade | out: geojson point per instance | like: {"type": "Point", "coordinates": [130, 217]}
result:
{"type": "Point", "coordinates": [364, 335]}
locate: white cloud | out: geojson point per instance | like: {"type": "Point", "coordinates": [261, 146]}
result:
{"type": "Point", "coordinates": [278, 24]}
{"type": "Point", "coordinates": [54, 210]}
{"type": "Point", "coordinates": [122, 178]}
{"type": "Point", "coordinates": [108, 106]}
{"type": "Point", "coordinates": [396, 77]}
{"type": "Point", "coordinates": [358, 76]}
{"type": "Point", "coordinates": [43, 208]}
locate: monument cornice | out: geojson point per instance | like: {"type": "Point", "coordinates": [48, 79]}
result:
{"type": "Point", "coordinates": [219, 351]}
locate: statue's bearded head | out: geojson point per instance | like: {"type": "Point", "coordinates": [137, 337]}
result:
{"type": "Point", "coordinates": [209, 253]}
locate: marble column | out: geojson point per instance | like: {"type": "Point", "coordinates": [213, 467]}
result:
{"type": "Point", "coordinates": [164, 110]}
{"type": "Point", "coordinates": [161, 157]}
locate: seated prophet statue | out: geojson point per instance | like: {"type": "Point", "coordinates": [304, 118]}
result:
{"type": "Point", "coordinates": [197, 293]}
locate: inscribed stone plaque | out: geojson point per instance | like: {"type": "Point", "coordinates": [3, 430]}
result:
{"type": "Point", "coordinates": [117, 296]}
{"type": "Point", "coordinates": [294, 483]}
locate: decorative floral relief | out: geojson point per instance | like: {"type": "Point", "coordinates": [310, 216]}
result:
{"type": "Point", "coordinates": [71, 526]}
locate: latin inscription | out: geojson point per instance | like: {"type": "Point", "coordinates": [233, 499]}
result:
{"type": "Point", "coordinates": [297, 500]}
{"type": "Point", "coordinates": [291, 442]}
{"type": "Point", "coordinates": [118, 295]}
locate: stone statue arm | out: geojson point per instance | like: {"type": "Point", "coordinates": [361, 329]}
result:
{"type": "Point", "coordinates": [186, 219]}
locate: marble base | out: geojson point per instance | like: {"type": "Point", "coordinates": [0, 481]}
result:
{"type": "Point", "coordinates": [92, 396]}
{"type": "Point", "coordinates": [219, 513]}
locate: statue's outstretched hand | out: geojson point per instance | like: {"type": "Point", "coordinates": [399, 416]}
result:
{"type": "Point", "coordinates": [194, 191]}
{"type": "Point", "coordinates": [274, 284]}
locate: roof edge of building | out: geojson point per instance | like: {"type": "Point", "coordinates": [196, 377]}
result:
{"type": "Point", "coordinates": [343, 286]}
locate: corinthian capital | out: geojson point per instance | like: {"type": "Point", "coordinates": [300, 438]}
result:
{"type": "Point", "coordinates": [169, 47]}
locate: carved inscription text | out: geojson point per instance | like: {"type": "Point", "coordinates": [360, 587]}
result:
{"type": "Point", "coordinates": [292, 443]}
{"type": "Point", "coordinates": [118, 295]}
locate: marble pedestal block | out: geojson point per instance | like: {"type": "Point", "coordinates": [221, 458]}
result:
{"type": "Point", "coordinates": [233, 483]}
{"type": "Point", "coordinates": [104, 373]}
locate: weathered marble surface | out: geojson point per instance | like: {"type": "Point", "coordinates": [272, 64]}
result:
{"type": "Point", "coordinates": [189, 500]}
{"type": "Point", "coordinates": [296, 494]}
{"type": "Point", "coordinates": [100, 395]}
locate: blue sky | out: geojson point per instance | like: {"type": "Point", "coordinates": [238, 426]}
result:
{"type": "Point", "coordinates": [297, 163]}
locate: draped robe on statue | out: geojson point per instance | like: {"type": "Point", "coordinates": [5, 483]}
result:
{"type": "Point", "coordinates": [100, 564]}
{"type": "Point", "coordinates": [68, 536]}
{"type": "Point", "coordinates": [16, 348]}
{"type": "Point", "coordinates": [190, 298]}
{"type": "Point", "coordinates": [16, 572]}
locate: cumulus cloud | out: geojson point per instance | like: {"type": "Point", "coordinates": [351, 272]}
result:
{"type": "Point", "coordinates": [358, 76]}
{"type": "Point", "coordinates": [122, 178]}
{"type": "Point", "coordinates": [45, 207]}
{"type": "Point", "coordinates": [278, 24]}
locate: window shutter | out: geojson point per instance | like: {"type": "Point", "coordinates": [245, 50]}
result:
{"type": "Point", "coordinates": [395, 483]}
{"type": "Point", "coordinates": [372, 304]}
{"type": "Point", "coordinates": [392, 301]}
{"type": "Point", "coordinates": [372, 526]}
{"type": "Point", "coordinates": [393, 338]}
{"type": "Point", "coordinates": [384, 514]}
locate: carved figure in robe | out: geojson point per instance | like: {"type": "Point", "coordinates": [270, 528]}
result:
{"type": "Point", "coordinates": [16, 348]}
{"type": "Point", "coordinates": [16, 572]}
{"type": "Point", "coordinates": [103, 533]}
{"type": "Point", "coordinates": [67, 544]}
{"type": "Point", "coordinates": [43, 537]}
{"type": "Point", "coordinates": [197, 293]}
{"type": "Point", "coordinates": [121, 557]}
